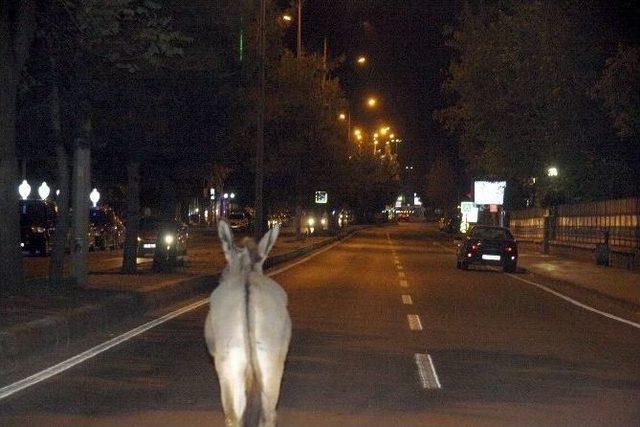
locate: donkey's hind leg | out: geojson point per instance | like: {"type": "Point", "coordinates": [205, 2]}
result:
{"type": "Point", "coordinates": [271, 370]}
{"type": "Point", "coordinates": [232, 376]}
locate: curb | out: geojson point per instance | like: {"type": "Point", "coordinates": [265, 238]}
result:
{"type": "Point", "coordinates": [56, 331]}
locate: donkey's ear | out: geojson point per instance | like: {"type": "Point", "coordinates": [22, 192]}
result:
{"type": "Point", "coordinates": [226, 238]}
{"type": "Point", "coordinates": [267, 242]}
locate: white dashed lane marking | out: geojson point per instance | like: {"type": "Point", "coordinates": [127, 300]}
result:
{"type": "Point", "coordinates": [400, 273]}
{"type": "Point", "coordinates": [404, 283]}
{"type": "Point", "coordinates": [406, 299]}
{"type": "Point", "coordinates": [414, 322]}
{"type": "Point", "coordinates": [427, 372]}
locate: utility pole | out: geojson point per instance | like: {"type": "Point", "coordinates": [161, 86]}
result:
{"type": "Point", "coordinates": [324, 62]}
{"type": "Point", "coordinates": [299, 38]}
{"type": "Point", "coordinates": [259, 217]}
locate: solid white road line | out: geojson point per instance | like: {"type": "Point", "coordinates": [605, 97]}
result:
{"type": "Point", "coordinates": [92, 352]}
{"type": "Point", "coordinates": [404, 283]}
{"type": "Point", "coordinates": [427, 372]}
{"type": "Point", "coordinates": [406, 299]}
{"type": "Point", "coordinates": [577, 303]}
{"type": "Point", "coordinates": [399, 267]}
{"type": "Point", "coordinates": [414, 322]}
{"type": "Point", "coordinates": [400, 273]}
{"type": "Point", "coordinates": [15, 387]}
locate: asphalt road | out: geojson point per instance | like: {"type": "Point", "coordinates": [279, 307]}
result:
{"type": "Point", "coordinates": [491, 350]}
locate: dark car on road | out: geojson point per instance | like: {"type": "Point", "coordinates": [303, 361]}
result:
{"type": "Point", "coordinates": [238, 221]}
{"type": "Point", "coordinates": [37, 224]}
{"type": "Point", "coordinates": [169, 237]}
{"type": "Point", "coordinates": [487, 245]}
{"type": "Point", "coordinates": [106, 230]}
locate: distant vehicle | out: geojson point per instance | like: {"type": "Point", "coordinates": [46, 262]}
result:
{"type": "Point", "coordinates": [238, 220]}
{"type": "Point", "coordinates": [345, 218]}
{"type": "Point", "coordinates": [282, 219]}
{"type": "Point", "coordinates": [106, 230]}
{"type": "Point", "coordinates": [488, 245]}
{"type": "Point", "coordinates": [37, 224]}
{"type": "Point", "coordinates": [172, 236]}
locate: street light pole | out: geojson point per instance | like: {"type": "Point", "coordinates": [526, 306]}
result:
{"type": "Point", "coordinates": [299, 38]}
{"type": "Point", "coordinates": [259, 214]}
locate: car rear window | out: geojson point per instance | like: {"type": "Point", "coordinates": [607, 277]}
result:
{"type": "Point", "coordinates": [236, 216]}
{"type": "Point", "coordinates": [491, 233]}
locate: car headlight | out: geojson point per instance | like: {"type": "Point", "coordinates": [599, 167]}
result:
{"type": "Point", "coordinates": [168, 239]}
{"type": "Point", "coordinates": [139, 239]}
{"type": "Point", "coordinates": [323, 221]}
{"type": "Point", "coordinates": [311, 222]}
{"type": "Point", "coordinates": [36, 229]}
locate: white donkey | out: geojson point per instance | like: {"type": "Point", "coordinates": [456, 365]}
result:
{"type": "Point", "coordinates": [247, 331]}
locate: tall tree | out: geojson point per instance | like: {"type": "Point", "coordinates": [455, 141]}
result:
{"type": "Point", "coordinates": [441, 186]}
{"type": "Point", "coordinates": [520, 79]}
{"type": "Point", "coordinates": [619, 88]}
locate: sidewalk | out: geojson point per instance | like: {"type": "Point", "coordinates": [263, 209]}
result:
{"type": "Point", "coordinates": [40, 317]}
{"type": "Point", "coordinates": [615, 283]}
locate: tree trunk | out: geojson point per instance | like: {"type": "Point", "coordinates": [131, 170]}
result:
{"type": "Point", "coordinates": [133, 218]}
{"type": "Point", "coordinates": [298, 220]}
{"type": "Point", "coordinates": [10, 252]}
{"type": "Point", "coordinates": [81, 188]}
{"type": "Point", "coordinates": [16, 33]}
{"type": "Point", "coordinates": [56, 261]}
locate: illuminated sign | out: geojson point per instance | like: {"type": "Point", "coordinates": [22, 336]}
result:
{"type": "Point", "coordinates": [466, 207]}
{"type": "Point", "coordinates": [322, 197]}
{"type": "Point", "coordinates": [489, 192]}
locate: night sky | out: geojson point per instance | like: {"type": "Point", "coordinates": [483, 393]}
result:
{"type": "Point", "coordinates": [404, 42]}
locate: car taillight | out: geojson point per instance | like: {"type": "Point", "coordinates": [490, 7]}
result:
{"type": "Point", "coordinates": [474, 247]}
{"type": "Point", "coordinates": [509, 249]}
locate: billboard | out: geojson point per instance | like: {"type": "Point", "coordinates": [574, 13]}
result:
{"type": "Point", "coordinates": [489, 192]}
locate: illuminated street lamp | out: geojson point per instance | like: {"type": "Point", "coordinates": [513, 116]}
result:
{"type": "Point", "coordinates": [44, 191]}
{"type": "Point", "coordinates": [232, 195]}
{"type": "Point", "coordinates": [361, 60]}
{"type": "Point", "coordinates": [24, 189]}
{"type": "Point", "coordinates": [342, 116]}
{"type": "Point", "coordinates": [287, 18]}
{"type": "Point", "coordinates": [94, 197]}
{"type": "Point", "coordinates": [372, 102]}
{"type": "Point", "coordinates": [552, 171]}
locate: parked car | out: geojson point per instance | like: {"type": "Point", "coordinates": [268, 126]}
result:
{"type": "Point", "coordinates": [238, 220]}
{"type": "Point", "coordinates": [37, 224]}
{"type": "Point", "coordinates": [106, 229]}
{"type": "Point", "coordinates": [488, 246]}
{"type": "Point", "coordinates": [172, 236]}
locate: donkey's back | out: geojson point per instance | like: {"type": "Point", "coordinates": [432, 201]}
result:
{"type": "Point", "coordinates": [247, 331]}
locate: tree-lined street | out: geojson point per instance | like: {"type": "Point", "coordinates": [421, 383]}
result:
{"type": "Point", "coordinates": [504, 352]}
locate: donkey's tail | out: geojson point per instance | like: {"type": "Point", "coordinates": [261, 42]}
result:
{"type": "Point", "coordinates": [253, 411]}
